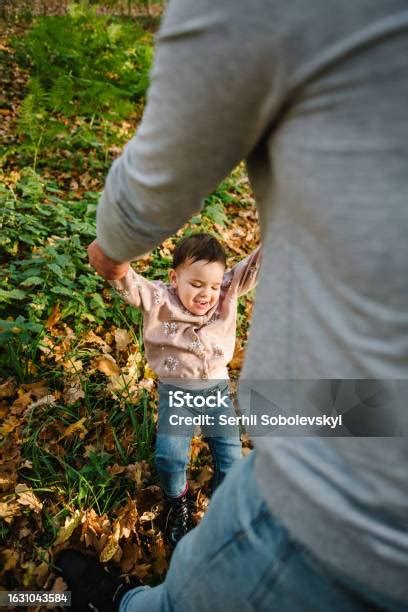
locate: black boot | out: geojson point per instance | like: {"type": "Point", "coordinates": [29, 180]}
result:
{"type": "Point", "coordinates": [179, 520]}
{"type": "Point", "coordinates": [92, 585]}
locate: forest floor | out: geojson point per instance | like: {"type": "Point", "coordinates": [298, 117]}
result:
{"type": "Point", "coordinates": [78, 402]}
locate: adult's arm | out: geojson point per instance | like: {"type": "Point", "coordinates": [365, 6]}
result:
{"type": "Point", "coordinates": [214, 87]}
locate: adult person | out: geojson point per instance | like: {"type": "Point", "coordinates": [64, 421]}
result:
{"type": "Point", "coordinates": [313, 96]}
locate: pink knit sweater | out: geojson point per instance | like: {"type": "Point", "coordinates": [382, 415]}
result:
{"type": "Point", "coordinates": [182, 345]}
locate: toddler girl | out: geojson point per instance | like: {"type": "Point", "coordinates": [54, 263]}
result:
{"type": "Point", "coordinates": [189, 336]}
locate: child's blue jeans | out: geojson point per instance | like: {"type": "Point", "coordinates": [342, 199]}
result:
{"type": "Point", "coordinates": [242, 559]}
{"type": "Point", "coordinates": [173, 443]}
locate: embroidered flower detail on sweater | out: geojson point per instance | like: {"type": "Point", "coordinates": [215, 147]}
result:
{"type": "Point", "coordinates": [157, 297]}
{"type": "Point", "coordinates": [218, 352]}
{"type": "Point", "coordinates": [196, 347]}
{"type": "Point", "coordinates": [170, 328]}
{"type": "Point", "coordinates": [171, 364]}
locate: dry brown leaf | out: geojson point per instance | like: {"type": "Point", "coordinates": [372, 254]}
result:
{"type": "Point", "coordinates": [10, 559]}
{"type": "Point", "coordinates": [127, 520]}
{"type": "Point", "coordinates": [111, 548]}
{"type": "Point", "coordinates": [54, 317]}
{"type": "Point", "coordinates": [122, 339]}
{"type": "Point", "coordinates": [92, 338]}
{"type": "Point", "coordinates": [71, 523]}
{"type": "Point", "coordinates": [8, 388]}
{"type": "Point", "coordinates": [135, 472]}
{"type": "Point", "coordinates": [27, 497]}
{"type": "Point", "coordinates": [131, 554]}
{"type": "Point", "coordinates": [116, 469]}
{"type": "Point", "coordinates": [72, 366]}
{"type": "Point", "coordinates": [41, 572]}
{"type": "Point", "coordinates": [142, 570]}
{"type": "Point", "coordinates": [238, 357]}
{"type": "Point", "coordinates": [107, 365]}
{"type": "Point", "coordinates": [206, 473]}
{"type": "Point", "coordinates": [75, 428]}
{"type": "Point", "coordinates": [9, 425]}
{"type": "Point", "coordinates": [20, 404]}
{"type": "Point", "coordinates": [73, 390]}
{"type": "Point", "coordinates": [47, 400]}
{"type": "Point", "coordinates": [147, 516]}
{"type": "Point", "coordinates": [59, 586]}
{"type": "Point", "coordinates": [38, 389]}
{"type": "Point", "coordinates": [8, 510]}
{"type": "Point", "coordinates": [160, 563]}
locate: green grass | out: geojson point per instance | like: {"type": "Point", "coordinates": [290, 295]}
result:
{"type": "Point", "coordinates": [67, 131]}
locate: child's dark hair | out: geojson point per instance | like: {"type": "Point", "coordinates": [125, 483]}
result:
{"type": "Point", "coordinates": [196, 247]}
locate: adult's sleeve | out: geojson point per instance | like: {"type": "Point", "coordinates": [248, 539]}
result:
{"type": "Point", "coordinates": [214, 87]}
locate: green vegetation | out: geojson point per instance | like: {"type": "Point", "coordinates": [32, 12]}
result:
{"type": "Point", "coordinates": [77, 399]}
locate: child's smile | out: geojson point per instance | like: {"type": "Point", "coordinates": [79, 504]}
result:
{"type": "Point", "coordinates": [198, 284]}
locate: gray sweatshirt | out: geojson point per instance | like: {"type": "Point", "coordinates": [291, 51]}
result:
{"type": "Point", "coordinates": [314, 96]}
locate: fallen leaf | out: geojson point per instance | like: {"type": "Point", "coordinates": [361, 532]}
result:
{"type": "Point", "coordinates": [116, 469]}
{"type": "Point", "coordinates": [9, 425]}
{"type": "Point", "coordinates": [39, 389]}
{"type": "Point", "coordinates": [21, 403]}
{"type": "Point", "coordinates": [10, 559]}
{"type": "Point", "coordinates": [111, 548]}
{"type": "Point", "coordinates": [8, 511]}
{"type": "Point", "coordinates": [47, 400]}
{"type": "Point", "coordinates": [26, 497]}
{"type": "Point", "coordinates": [206, 473]}
{"type": "Point", "coordinates": [8, 388]}
{"type": "Point", "coordinates": [75, 428]}
{"type": "Point", "coordinates": [41, 573]}
{"type": "Point", "coordinates": [59, 586]}
{"type": "Point", "coordinates": [107, 365]}
{"type": "Point", "coordinates": [73, 390]}
{"type": "Point", "coordinates": [122, 339]}
{"type": "Point", "coordinates": [54, 317]}
{"type": "Point", "coordinates": [71, 523]}
{"type": "Point", "coordinates": [72, 366]}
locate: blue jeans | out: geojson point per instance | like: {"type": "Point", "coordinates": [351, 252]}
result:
{"type": "Point", "coordinates": [240, 558]}
{"type": "Point", "coordinates": [172, 447]}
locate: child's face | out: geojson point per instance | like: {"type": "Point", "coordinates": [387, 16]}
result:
{"type": "Point", "coordinates": [198, 284]}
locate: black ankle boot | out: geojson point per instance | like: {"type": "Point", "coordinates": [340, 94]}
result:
{"type": "Point", "coordinates": [92, 585]}
{"type": "Point", "coordinates": [179, 520]}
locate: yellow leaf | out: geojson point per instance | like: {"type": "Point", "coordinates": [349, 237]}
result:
{"type": "Point", "coordinates": [8, 388]}
{"type": "Point", "coordinates": [107, 365]}
{"type": "Point", "coordinates": [74, 428]}
{"type": "Point", "coordinates": [54, 317]}
{"type": "Point", "coordinates": [72, 365]}
{"type": "Point", "coordinates": [71, 523]}
{"type": "Point", "coordinates": [111, 548]}
{"type": "Point", "coordinates": [9, 425]}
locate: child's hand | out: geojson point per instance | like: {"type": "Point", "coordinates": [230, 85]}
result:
{"type": "Point", "coordinates": [104, 265]}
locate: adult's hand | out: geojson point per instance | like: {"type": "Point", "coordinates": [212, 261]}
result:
{"type": "Point", "coordinates": [104, 265]}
